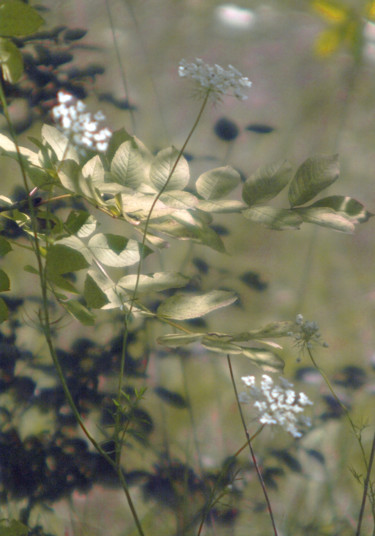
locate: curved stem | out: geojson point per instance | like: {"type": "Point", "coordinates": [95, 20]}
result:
{"type": "Point", "coordinates": [257, 468]}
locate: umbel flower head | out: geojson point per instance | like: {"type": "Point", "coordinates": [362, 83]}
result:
{"type": "Point", "coordinates": [214, 79]}
{"type": "Point", "coordinates": [277, 404]}
{"type": "Point", "coordinates": [80, 126]}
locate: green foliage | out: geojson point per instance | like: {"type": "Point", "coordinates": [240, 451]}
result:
{"type": "Point", "coordinates": [12, 528]}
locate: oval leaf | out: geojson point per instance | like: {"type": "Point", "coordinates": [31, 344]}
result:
{"type": "Point", "coordinates": [62, 259]}
{"type": "Point", "coordinates": [346, 206]}
{"type": "Point", "coordinates": [274, 218]}
{"type": "Point", "coordinates": [4, 281]}
{"type": "Point", "coordinates": [154, 282]}
{"type": "Point", "coordinates": [326, 217]}
{"type": "Point", "coordinates": [313, 176]}
{"type": "Point", "coordinates": [18, 19]}
{"type": "Point", "coordinates": [266, 183]}
{"type": "Point", "coordinates": [10, 60]}
{"type": "Point", "coordinates": [114, 250]}
{"type": "Point", "coordinates": [162, 166]}
{"type": "Point", "coordinates": [217, 183]}
{"type": "Point", "coordinates": [128, 167]}
{"type": "Point", "coordinates": [182, 306]}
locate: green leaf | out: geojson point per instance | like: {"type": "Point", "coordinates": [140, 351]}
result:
{"type": "Point", "coordinates": [60, 144]}
{"type": "Point", "coordinates": [12, 527]}
{"type": "Point", "coordinates": [3, 312]}
{"type": "Point", "coordinates": [81, 223]}
{"type": "Point", "coordinates": [267, 360]}
{"type": "Point", "coordinates": [183, 306]}
{"type": "Point", "coordinates": [80, 312]}
{"type": "Point", "coordinates": [154, 282]}
{"type": "Point", "coordinates": [138, 206]}
{"type": "Point", "coordinates": [174, 340]}
{"type": "Point", "coordinates": [266, 183]}
{"type": "Point", "coordinates": [346, 206]}
{"type": "Point", "coordinates": [179, 199]}
{"type": "Point", "coordinates": [217, 183]}
{"type": "Point", "coordinates": [62, 259]}
{"type": "Point", "coordinates": [62, 283]}
{"type": "Point", "coordinates": [313, 176]}
{"type": "Point", "coordinates": [4, 281]}
{"type": "Point", "coordinates": [94, 170]}
{"type": "Point", "coordinates": [94, 296]}
{"type": "Point", "coordinates": [222, 206]}
{"type": "Point", "coordinates": [274, 218]}
{"type": "Point", "coordinates": [30, 269]}
{"type": "Point", "coordinates": [114, 250]}
{"type": "Point", "coordinates": [274, 329]}
{"type": "Point", "coordinates": [162, 166]}
{"type": "Point", "coordinates": [18, 19]}
{"type": "Point", "coordinates": [115, 296]}
{"type": "Point", "coordinates": [11, 61]}
{"type": "Point", "coordinates": [5, 246]}
{"type": "Point", "coordinates": [128, 167]}
{"type": "Point", "coordinates": [326, 217]}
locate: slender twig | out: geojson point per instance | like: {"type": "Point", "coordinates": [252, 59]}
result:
{"type": "Point", "coordinates": [365, 487]}
{"type": "Point", "coordinates": [257, 468]}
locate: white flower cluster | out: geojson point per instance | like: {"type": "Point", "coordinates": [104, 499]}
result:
{"type": "Point", "coordinates": [278, 404]}
{"type": "Point", "coordinates": [215, 79]}
{"type": "Point", "coordinates": [80, 126]}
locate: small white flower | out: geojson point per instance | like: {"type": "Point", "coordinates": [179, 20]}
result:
{"type": "Point", "coordinates": [278, 404]}
{"type": "Point", "coordinates": [79, 125]}
{"type": "Point", "coordinates": [214, 79]}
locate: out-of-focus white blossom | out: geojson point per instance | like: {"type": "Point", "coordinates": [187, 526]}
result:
{"type": "Point", "coordinates": [235, 17]}
{"type": "Point", "coordinates": [80, 126]}
{"type": "Point", "coordinates": [277, 403]}
{"type": "Point", "coordinates": [214, 79]}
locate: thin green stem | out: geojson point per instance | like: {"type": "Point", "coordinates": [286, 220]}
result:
{"type": "Point", "coordinates": [365, 488]}
{"type": "Point", "coordinates": [46, 323]}
{"type": "Point", "coordinates": [257, 468]}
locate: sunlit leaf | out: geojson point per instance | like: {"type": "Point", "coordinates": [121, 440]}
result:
{"type": "Point", "coordinates": [64, 257]}
{"type": "Point", "coordinates": [4, 281]}
{"type": "Point", "coordinates": [11, 61]}
{"type": "Point", "coordinates": [217, 182]}
{"type": "Point", "coordinates": [114, 250]}
{"type": "Point", "coordinates": [313, 176]}
{"type": "Point", "coordinates": [174, 340]}
{"type": "Point", "coordinates": [80, 312]}
{"type": "Point", "coordinates": [183, 306]}
{"type": "Point", "coordinates": [326, 217]}
{"type": "Point", "coordinates": [93, 294]}
{"type": "Point", "coordinates": [267, 360]}
{"type": "Point", "coordinates": [62, 283]}
{"type": "Point", "coordinates": [162, 166]}
{"type": "Point", "coordinates": [179, 199]}
{"type": "Point", "coordinates": [18, 19]}
{"type": "Point", "coordinates": [331, 10]}
{"type": "Point", "coordinates": [153, 282]}
{"type": "Point", "coordinates": [221, 206]}
{"type": "Point", "coordinates": [266, 183]}
{"type": "Point", "coordinates": [274, 218]}
{"type": "Point", "coordinates": [59, 143]}
{"type": "Point", "coordinates": [5, 246]}
{"type": "Point", "coordinates": [81, 223]}
{"type": "Point", "coordinates": [94, 169]}
{"type": "Point", "coordinates": [128, 167]}
{"type": "Point", "coordinates": [3, 311]}
{"type": "Point", "coordinates": [272, 330]}
{"type": "Point", "coordinates": [346, 206]}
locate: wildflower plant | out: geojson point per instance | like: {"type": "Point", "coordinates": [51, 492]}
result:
{"type": "Point", "coordinates": [278, 403]}
{"type": "Point", "coordinates": [83, 272]}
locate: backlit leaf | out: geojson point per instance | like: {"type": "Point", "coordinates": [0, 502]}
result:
{"type": "Point", "coordinates": [217, 183]}
{"type": "Point", "coordinates": [114, 250]}
{"type": "Point", "coordinates": [266, 183]}
{"type": "Point", "coordinates": [59, 143]}
{"type": "Point", "coordinates": [18, 19]}
{"type": "Point", "coordinates": [11, 61]}
{"type": "Point", "coordinates": [94, 296]}
{"type": "Point", "coordinates": [346, 206]}
{"type": "Point", "coordinates": [174, 340]}
{"type": "Point", "coordinates": [162, 166]}
{"type": "Point", "coordinates": [313, 176]}
{"type": "Point", "coordinates": [128, 166]}
{"type": "Point", "coordinates": [80, 312]}
{"type": "Point", "coordinates": [4, 281]}
{"type": "Point", "coordinates": [154, 282]}
{"type": "Point", "coordinates": [62, 258]}
{"type": "Point", "coordinates": [274, 218]}
{"type": "Point", "coordinates": [184, 306]}
{"type": "Point", "coordinates": [326, 217]}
